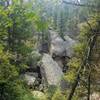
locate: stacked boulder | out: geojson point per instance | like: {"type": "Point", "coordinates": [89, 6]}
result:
{"type": "Point", "coordinates": [52, 70]}
{"type": "Point", "coordinates": [59, 47]}
{"type": "Point", "coordinates": [52, 63]}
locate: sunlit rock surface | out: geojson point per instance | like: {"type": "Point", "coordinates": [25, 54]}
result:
{"type": "Point", "coordinates": [59, 47]}
{"type": "Point", "coordinates": [52, 71]}
{"type": "Point", "coordinates": [57, 44]}
{"type": "Point", "coordinates": [69, 44]}
{"type": "Point", "coordinates": [30, 78]}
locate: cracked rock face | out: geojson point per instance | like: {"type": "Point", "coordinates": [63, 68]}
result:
{"type": "Point", "coordinates": [53, 72]}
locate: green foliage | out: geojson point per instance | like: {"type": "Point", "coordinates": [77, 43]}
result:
{"type": "Point", "coordinates": [70, 76]}
{"type": "Point", "coordinates": [34, 59]}
{"type": "Point", "coordinates": [24, 24]}
{"type": "Point", "coordinates": [14, 91]}
{"type": "Point", "coordinates": [16, 34]}
{"type": "Point", "coordinates": [11, 87]}
{"type": "Point", "coordinates": [50, 91]}
{"type": "Point", "coordinates": [87, 29]}
{"type": "Point", "coordinates": [5, 22]}
{"type": "Point", "coordinates": [58, 96]}
{"type": "Point", "coordinates": [39, 95]}
{"type": "Point", "coordinates": [74, 65]}
{"type": "Point", "coordinates": [79, 49]}
{"type": "Point", "coordinates": [7, 71]}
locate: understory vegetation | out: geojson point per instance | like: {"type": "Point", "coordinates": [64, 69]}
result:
{"type": "Point", "coordinates": [25, 37]}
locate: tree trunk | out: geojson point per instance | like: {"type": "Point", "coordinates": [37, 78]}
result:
{"type": "Point", "coordinates": [73, 88]}
{"type": "Point", "coordinates": [89, 86]}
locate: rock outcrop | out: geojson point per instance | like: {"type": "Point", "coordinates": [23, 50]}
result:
{"type": "Point", "coordinates": [53, 72]}
{"type": "Point", "coordinates": [69, 44]}
{"type": "Point", "coordinates": [53, 64]}
{"type": "Point", "coordinates": [59, 47]}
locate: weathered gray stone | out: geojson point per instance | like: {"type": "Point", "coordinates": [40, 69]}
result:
{"type": "Point", "coordinates": [30, 78]}
{"type": "Point", "coordinates": [69, 44]}
{"type": "Point", "coordinates": [57, 44]}
{"type": "Point", "coordinates": [59, 47]}
{"type": "Point", "coordinates": [52, 70]}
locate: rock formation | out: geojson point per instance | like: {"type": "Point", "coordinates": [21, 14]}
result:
{"type": "Point", "coordinates": [53, 64]}
{"type": "Point", "coordinates": [69, 44]}
{"type": "Point", "coordinates": [59, 47]}
{"type": "Point", "coordinates": [52, 70]}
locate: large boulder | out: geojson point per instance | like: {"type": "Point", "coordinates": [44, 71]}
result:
{"type": "Point", "coordinates": [69, 44]}
{"type": "Point", "coordinates": [59, 47]}
{"type": "Point", "coordinates": [53, 72]}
